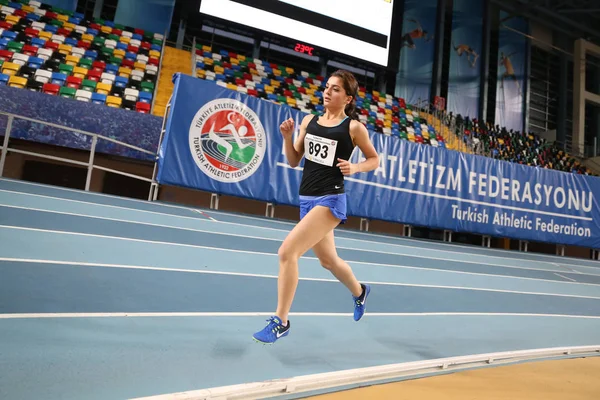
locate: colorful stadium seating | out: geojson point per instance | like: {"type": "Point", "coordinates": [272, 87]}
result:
{"type": "Point", "coordinates": [58, 52]}
{"type": "Point", "coordinates": [379, 112]}
{"type": "Point", "coordinates": [522, 148]}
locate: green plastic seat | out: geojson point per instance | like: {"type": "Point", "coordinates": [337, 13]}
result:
{"type": "Point", "coordinates": [148, 87]}
{"type": "Point", "coordinates": [67, 92]}
{"type": "Point", "coordinates": [88, 85]}
{"type": "Point", "coordinates": [66, 69]}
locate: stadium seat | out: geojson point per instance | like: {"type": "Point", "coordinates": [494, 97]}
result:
{"type": "Point", "coordinates": [73, 82]}
{"type": "Point", "coordinates": [51, 89]}
{"type": "Point", "coordinates": [113, 101]}
{"type": "Point", "coordinates": [83, 95]}
{"type": "Point", "coordinates": [26, 71]}
{"type": "Point", "coordinates": [67, 92]}
{"type": "Point", "coordinates": [10, 68]}
{"type": "Point", "coordinates": [59, 78]}
{"type": "Point", "coordinates": [98, 98]}
{"type": "Point", "coordinates": [34, 85]}
{"type": "Point", "coordinates": [17, 81]}
{"type": "Point", "coordinates": [4, 79]}
{"type": "Point", "coordinates": [43, 76]}
{"type": "Point", "coordinates": [142, 107]}
{"type": "Point", "coordinates": [103, 88]}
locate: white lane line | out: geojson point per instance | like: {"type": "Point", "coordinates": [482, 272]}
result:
{"type": "Point", "coordinates": [267, 276]}
{"type": "Point", "coordinates": [275, 255]}
{"type": "Point", "coordinates": [199, 212]}
{"type": "Point", "coordinates": [212, 232]}
{"type": "Point", "coordinates": [90, 194]}
{"type": "Point", "coordinates": [369, 235]}
{"type": "Point", "coordinates": [361, 241]}
{"type": "Point", "coordinates": [565, 277]}
{"type": "Point", "coordinates": [267, 314]}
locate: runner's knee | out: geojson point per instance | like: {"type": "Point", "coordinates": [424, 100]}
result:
{"type": "Point", "coordinates": [328, 263]}
{"type": "Point", "coordinates": [287, 253]}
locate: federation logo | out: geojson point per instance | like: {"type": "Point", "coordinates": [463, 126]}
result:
{"type": "Point", "coordinates": [227, 140]}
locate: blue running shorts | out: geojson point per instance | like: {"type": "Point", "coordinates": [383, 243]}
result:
{"type": "Point", "coordinates": [335, 202]}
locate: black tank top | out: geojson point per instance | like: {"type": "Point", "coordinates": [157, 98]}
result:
{"type": "Point", "coordinates": [322, 147]}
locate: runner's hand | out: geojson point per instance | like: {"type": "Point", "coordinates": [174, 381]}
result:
{"type": "Point", "coordinates": [287, 128]}
{"type": "Point", "coordinates": [346, 167]}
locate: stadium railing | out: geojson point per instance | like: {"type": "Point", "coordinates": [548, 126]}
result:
{"type": "Point", "coordinates": [89, 164]}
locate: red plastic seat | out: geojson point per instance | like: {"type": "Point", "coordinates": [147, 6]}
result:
{"type": "Point", "coordinates": [74, 82]}
{"type": "Point", "coordinates": [64, 32]}
{"type": "Point", "coordinates": [51, 89]}
{"type": "Point", "coordinates": [143, 108]}
{"type": "Point", "coordinates": [6, 55]}
{"type": "Point", "coordinates": [30, 32]}
{"type": "Point", "coordinates": [94, 75]}
{"type": "Point", "coordinates": [51, 45]}
{"type": "Point", "coordinates": [98, 66]}
{"type": "Point", "coordinates": [128, 63]}
{"type": "Point", "coordinates": [30, 50]}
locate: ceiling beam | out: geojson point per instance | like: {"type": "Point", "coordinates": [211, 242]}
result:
{"type": "Point", "coordinates": [531, 9]}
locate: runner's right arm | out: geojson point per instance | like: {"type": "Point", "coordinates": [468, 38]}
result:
{"type": "Point", "coordinates": [295, 151]}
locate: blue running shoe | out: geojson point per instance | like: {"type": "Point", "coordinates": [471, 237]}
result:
{"type": "Point", "coordinates": [273, 331]}
{"type": "Point", "coordinates": [360, 302]}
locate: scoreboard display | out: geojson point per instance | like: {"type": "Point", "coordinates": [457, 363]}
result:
{"type": "Point", "coordinates": [356, 28]}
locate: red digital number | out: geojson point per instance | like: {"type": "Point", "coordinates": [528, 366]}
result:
{"type": "Point", "coordinates": [302, 48]}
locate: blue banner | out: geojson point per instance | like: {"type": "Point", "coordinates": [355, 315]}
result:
{"type": "Point", "coordinates": [141, 130]}
{"type": "Point", "coordinates": [465, 62]}
{"type": "Point", "coordinates": [512, 72]}
{"type": "Point", "coordinates": [413, 82]}
{"type": "Point", "coordinates": [222, 141]}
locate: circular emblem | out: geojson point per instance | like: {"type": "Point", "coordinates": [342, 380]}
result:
{"type": "Point", "coordinates": [227, 140]}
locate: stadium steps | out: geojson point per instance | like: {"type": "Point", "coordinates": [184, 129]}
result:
{"type": "Point", "coordinates": [174, 60]}
{"type": "Point", "coordinates": [453, 142]}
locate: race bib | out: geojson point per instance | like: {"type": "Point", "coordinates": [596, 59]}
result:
{"type": "Point", "coordinates": [319, 150]}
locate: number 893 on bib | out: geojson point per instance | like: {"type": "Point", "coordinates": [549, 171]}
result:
{"type": "Point", "coordinates": [319, 150]}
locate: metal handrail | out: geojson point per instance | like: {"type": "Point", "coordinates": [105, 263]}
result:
{"type": "Point", "coordinates": [160, 63]}
{"type": "Point", "coordinates": [90, 163]}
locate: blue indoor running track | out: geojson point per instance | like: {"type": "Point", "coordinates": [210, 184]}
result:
{"type": "Point", "coordinates": [104, 297]}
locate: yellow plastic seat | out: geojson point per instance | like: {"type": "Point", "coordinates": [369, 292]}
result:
{"type": "Point", "coordinates": [80, 72]}
{"type": "Point", "coordinates": [10, 69]}
{"type": "Point", "coordinates": [13, 19]}
{"type": "Point", "coordinates": [125, 72]}
{"type": "Point", "coordinates": [114, 101]}
{"type": "Point", "coordinates": [72, 60]}
{"type": "Point", "coordinates": [65, 49]}
{"type": "Point", "coordinates": [45, 35]}
{"type": "Point", "coordinates": [86, 37]}
{"type": "Point", "coordinates": [119, 53]}
{"type": "Point", "coordinates": [17, 81]}
{"type": "Point", "coordinates": [103, 88]}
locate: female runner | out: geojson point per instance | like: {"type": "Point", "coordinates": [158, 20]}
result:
{"type": "Point", "coordinates": [326, 142]}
